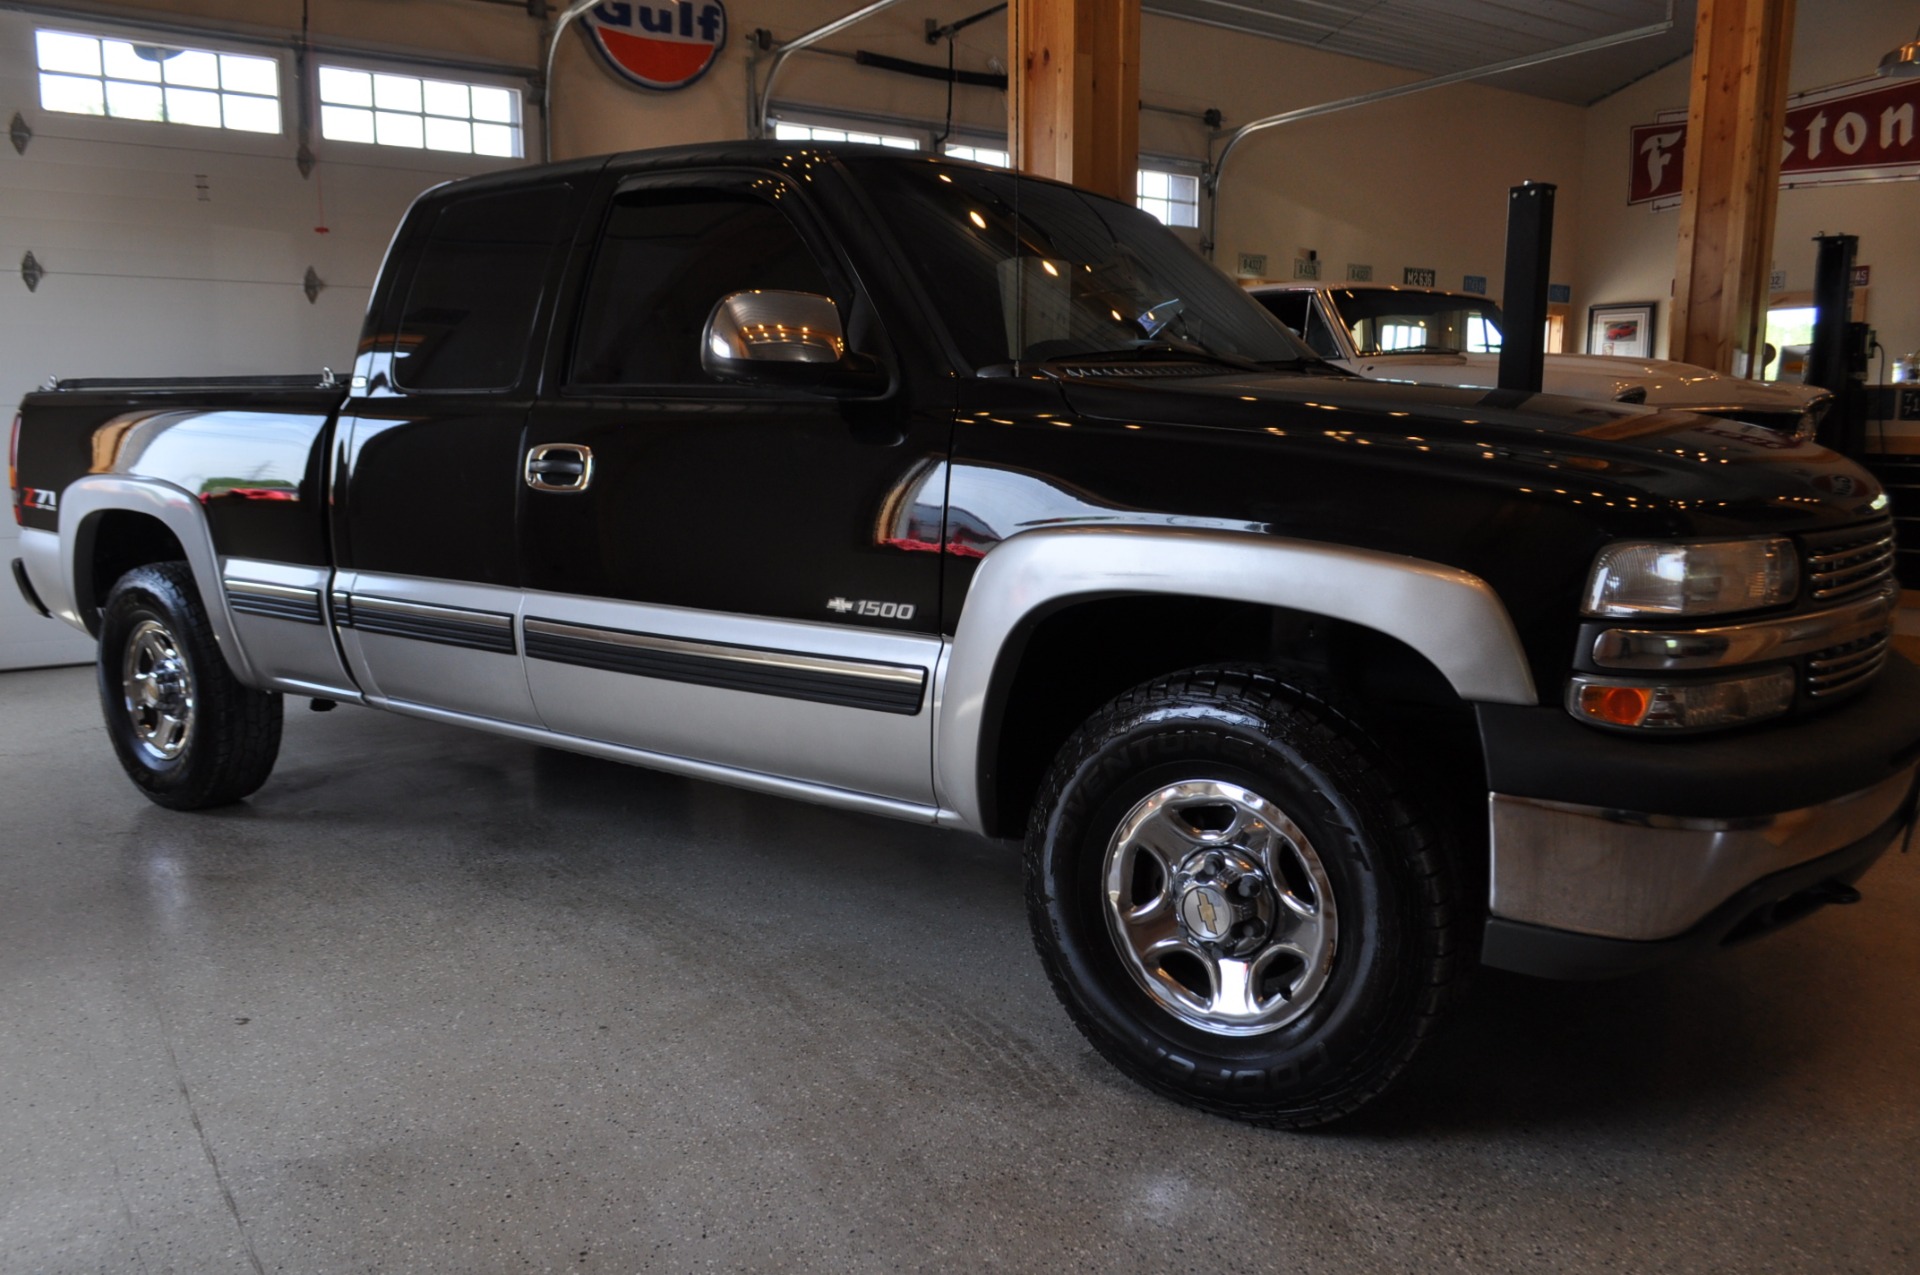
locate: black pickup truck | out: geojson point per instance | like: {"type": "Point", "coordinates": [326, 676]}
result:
{"type": "Point", "coordinates": [928, 490]}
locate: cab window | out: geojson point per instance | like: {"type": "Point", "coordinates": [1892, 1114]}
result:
{"type": "Point", "coordinates": [467, 322]}
{"type": "Point", "coordinates": [665, 259]}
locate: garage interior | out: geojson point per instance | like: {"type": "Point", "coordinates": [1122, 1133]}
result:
{"type": "Point", "coordinates": [434, 1000]}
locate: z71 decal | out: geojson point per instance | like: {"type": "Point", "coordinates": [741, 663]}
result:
{"type": "Point", "coordinates": [867, 608]}
{"type": "Point", "coordinates": [39, 498]}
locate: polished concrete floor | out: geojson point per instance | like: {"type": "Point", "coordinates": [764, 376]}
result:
{"type": "Point", "coordinates": [438, 1002]}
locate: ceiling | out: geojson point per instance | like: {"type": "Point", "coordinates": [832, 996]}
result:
{"type": "Point", "coordinates": [1442, 36]}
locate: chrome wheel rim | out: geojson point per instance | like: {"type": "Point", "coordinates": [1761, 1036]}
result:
{"type": "Point", "coordinates": [1220, 907]}
{"type": "Point", "coordinates": [156, 685]}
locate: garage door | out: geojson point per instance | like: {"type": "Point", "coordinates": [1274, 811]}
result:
{"type": "Point", "coordinates": [172, 234]}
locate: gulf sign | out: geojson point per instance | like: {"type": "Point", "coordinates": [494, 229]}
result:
{"type": "Point", "coordinates": [658, 46]}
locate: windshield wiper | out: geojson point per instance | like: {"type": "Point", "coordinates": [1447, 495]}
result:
{"type": "Point", "coordinates": [1162, 347]}
{"type": "Point", "coordinates": [1314, 361]}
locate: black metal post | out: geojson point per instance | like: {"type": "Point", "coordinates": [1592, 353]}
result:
{"type": "Point", "coordinates": [1836, 359]}
{"type": "Point", "coordinates": [1832, 298]}
{"type": "Point", "coordinates": [1523, 346]}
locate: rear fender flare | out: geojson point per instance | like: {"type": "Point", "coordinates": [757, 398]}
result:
{"type": "Point", "coordinates": [81, 506]}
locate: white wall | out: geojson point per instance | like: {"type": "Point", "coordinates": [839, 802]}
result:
{"type": "Point", "coordinates": [181, 251]}
{"type": "Point", "coordinates": [1418, 181]}
{"type": "Point", "coordinates": [1630, 252]}
{"type": "Point", "coordinates": [594, 111]}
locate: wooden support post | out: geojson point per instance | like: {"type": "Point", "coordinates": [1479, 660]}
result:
{"type": "Point", "coordinates": [1074, 110]}
{"type": "Point", "coordinates": [1735, 120]}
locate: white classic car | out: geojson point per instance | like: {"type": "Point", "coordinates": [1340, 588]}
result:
{"type": "Point", "coordinates": [1433, 337]}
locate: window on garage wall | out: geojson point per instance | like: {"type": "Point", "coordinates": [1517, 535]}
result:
{"type": "Point", "coordinates": [1168, 192]}
{"type": "Point", "coordinates": [162, 83]}
{"type": "Point", "coordinates": [788, 131]}
{"type": "Point", "coordinates": [808, 127]}
{"type": "Point", "coordinates": [380, 108]}
{"type": "Point", "coordinates": [1172, 197]}
{"type": "Point", "coordinates": [988, 155]}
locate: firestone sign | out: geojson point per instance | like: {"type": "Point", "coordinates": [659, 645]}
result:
{"type": "Point", "coordinates": [1836, 135]}
{"type": "Point", "coordinates": [658, 46]}
{"type": "Point", "coordinates": [1659, 160]}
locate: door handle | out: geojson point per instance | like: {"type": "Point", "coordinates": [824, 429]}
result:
{"type": "Point", "coordinates": [559, 467]}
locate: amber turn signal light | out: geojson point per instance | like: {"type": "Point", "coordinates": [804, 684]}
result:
{"type": "Point", "coordinates": [1617, 705]}
{"type": "Point", "coordinates": [1693, 704]}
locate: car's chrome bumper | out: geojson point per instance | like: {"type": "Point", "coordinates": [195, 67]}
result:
{"type": "Point", "coordinates": [1618, 874]}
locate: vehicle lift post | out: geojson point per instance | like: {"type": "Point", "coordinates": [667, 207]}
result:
{"type": "Point", "coordinates": [1523, 343]}
{"type": "Point", "coordinates": [1838, 357]}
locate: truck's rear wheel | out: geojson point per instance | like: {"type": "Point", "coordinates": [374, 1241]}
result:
{"type": "Point", "coordinates": [187, 732]}
{"type": "Point", "coordinates": [1235, 903]}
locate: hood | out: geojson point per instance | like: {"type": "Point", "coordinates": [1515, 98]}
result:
{"type": "Point", "coordinates": [1635, 470]}
{"type": "Point", "coordinates": [1603, 376]}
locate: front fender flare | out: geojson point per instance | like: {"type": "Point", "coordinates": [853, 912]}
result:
{"type": "Point", "coordinates": [1451, 617]}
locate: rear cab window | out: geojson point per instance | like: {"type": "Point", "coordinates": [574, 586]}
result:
{"type": "Point", "coordinates": [467, 320]}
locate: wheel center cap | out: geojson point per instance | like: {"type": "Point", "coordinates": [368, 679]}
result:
{"type": "Point", "coordinates": [1225, 901]}
{"type": "Point", "coordinates": [169, 687]}
{"type": "Point", "coordinates": [1207, 913]}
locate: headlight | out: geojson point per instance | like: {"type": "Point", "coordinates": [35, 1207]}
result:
{"type": "Point", "coordinates": [1701, 578]}
{"type": "Point", "coordinates": [1682, 706]}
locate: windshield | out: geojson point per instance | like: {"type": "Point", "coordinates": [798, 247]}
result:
{"type": "Point", "coordinates": [1388, 321]}
{"type": "Point", "coordinates": [1025, 270]}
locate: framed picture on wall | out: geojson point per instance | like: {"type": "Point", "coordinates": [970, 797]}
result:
{"type": "Point", "coordinates": [1626, 329]}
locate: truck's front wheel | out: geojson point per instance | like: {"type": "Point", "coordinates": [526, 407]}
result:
{"type": "Point", "coordinates": [1236, 904]}
{"type": "Point", "coordinates": [187, 732]}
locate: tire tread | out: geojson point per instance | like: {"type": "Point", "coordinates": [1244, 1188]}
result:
{"type": "Point", "coordinates": [237, 728]}
{"type": "Point", "coordinates": [1347, 749]}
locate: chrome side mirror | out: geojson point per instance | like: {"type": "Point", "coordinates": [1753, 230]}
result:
{"type": "Point", "coordinates": [790, 339]}
{"type": "Point", "coordinates": [771, 327]}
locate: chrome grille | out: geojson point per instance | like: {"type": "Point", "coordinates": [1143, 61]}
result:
{"type": "Point", "coordinates": [1842, 668]}
{"type": "Point", "coordinates": [1844, 564]}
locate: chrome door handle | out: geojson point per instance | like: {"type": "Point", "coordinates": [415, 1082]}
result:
{"type": "Point", "coordinates": [559, 467]}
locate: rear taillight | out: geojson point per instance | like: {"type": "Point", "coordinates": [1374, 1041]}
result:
{"type": "Point", "coordinates": [13, 470]}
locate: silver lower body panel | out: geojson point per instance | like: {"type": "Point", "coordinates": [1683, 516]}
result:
{"type": "Point", "coordinates": [738, 777]}
{"type": "Point", "coordinates": [1623, 875]}
{"type": "Point", "coordinates": [40, 550]}
{"type": "Point", "coordinates": [288, 651]}
{"type": "Point", "coordinates": [487, 684]}
{"type": "Point", "coordinates": [832, 746]}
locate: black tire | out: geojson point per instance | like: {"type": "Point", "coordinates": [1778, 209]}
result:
{"type": "Point", "coordinates": [187, 732]}
{"type": "Point", "coordinates": [1352, 963]}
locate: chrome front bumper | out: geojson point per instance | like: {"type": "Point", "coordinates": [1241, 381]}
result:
{"type": "Point", "coordinates": [1620, 875]}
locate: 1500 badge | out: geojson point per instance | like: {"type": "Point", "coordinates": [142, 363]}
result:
{"type": "Point", "coordinates": [867, 607]}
